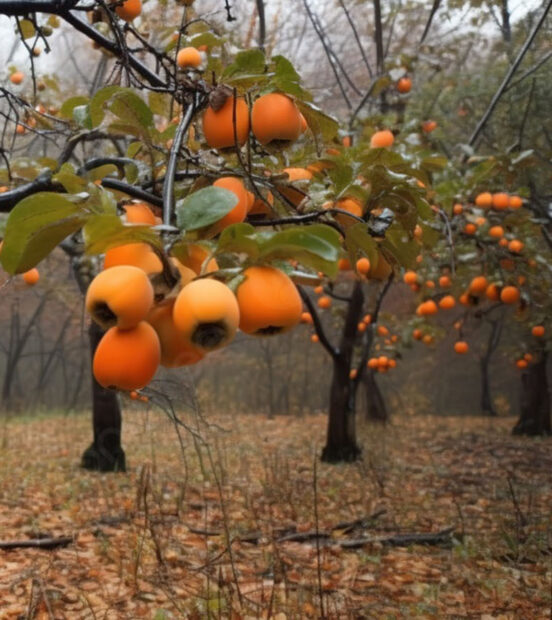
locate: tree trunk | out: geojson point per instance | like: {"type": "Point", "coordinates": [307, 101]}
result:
{"type": "Point", "coordinates": [534, 416]}
{"type": "Point", "coordinates": [376, 410]}
{"type": "Point", "coordinates": [341, 444]}
{"type": "Point", "coordinates": [105, 453]}
{"type": "Point", "coordinates": [487, 406]}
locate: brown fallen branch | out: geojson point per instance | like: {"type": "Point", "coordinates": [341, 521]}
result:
{"type": "Point", "coordinates": [444, 537]}
{"type": "Point", "coordinates": [37, 543]}
{"type": "Point", "coordinates": [303, 536]}
{"type": "Point", "coordinates": [362, 523]}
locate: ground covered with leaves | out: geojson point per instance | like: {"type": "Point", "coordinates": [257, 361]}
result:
{"type": "Point", "coordinates": [443, 518]}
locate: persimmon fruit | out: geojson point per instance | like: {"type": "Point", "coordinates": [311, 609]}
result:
{"type": "Point", "coordinates": [275, 116]}
{"type": "Point", "coordinates": [382, 139]}
{"type": "Point", "coordinates": [218, 125]}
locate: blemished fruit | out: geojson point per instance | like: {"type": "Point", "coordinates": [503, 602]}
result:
{"type": "Point", "coordinates": [176, 351]}
{"type": "Point", "coordinates": [239, 212]}
{"type": "Point", "coordinates": [485, 199]}
{"type": "Point", "coordinates": [538, 331]}
{"type": "Point", "coordinates": [133, 254]}
{"type": "Point", "coordinates": [461, 347]}
{"type": "Point", "coordinates": [269, 301]}
{"type": "Point", "coordinates": [478, 285]}
{"type": "Point", "coordinates": [275, 117]}
{"type": "Point", "coordinates": [188, 57]}
{"type": "Point", "coordinates": [382, 139]}
{"type": "Point", "coordinates": [404, 85]}
{"type": "Point", "coordinates": [127, 359]}
{"type": "Point", "coordinates": [515, 246]}
{"type": "Point", "coordinates": [496, 232]}
{"type": "Point", "coordinates": [31, 277]}
{"type": "Point", "coordinates": [218, 126]}
{"type": "Point", "coordinates": [363, 265]}
{"type": "Point", "coordinates": [206, 313]}
{"type": "Point", "coordinates": [447, 302]}
{"type": "Point", "coordinates": [17, 77]}
{"type": "Point", "coordinates": [324, 302]}
{"type": "Point", "coordinates": [129, 10]}
{"type": "Point", "coordinates": [501, 201]}
{"type": "Point", "coordinates": [121, 296]}
{"type": "Point", "coordinates": [410, 277]}
{"type": "Point", "coordinates": [509, 295]}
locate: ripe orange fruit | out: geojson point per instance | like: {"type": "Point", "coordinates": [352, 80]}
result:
{"type": "Point", "coordinates": [194, 259]}
{"type": "Point", "coordinates": [430, 284]}
{"type": "Point", "coordinates": [528, 358]}
{"type": "Point", "coordinates": [206, 313]}
{"type": "Point", "coordinates": [361, 327]}
{"type": "Point", "coordinates": [20, 129]}
{"type": "Point", "coordinates": [188, 57]}
{"type": "Point", "coordinates": [457, 209]}
{"type": "Point", "coordinates": [372, 362]}
{"type": "Point", "coordinates": [351, 205]}
{"type": "Point", "coordinates": [121, 296]}
{"type": "Point", "coordinates": [314, 338]}
{"type": "Point", "coordinates": [427, 339]}
{"type": "Point", "coordinates": [344, 264]}
{"type": "Point", "coordinates": [538, 331]}
{"type": "Point", "coordinates": [383, 360]}
{"type": "Point", "coordinates": [133, 254]}
{"type": "Point", "coordinates": [496, 232]}
{"type": "Point", "coordinates": [392, 363]}
{"type": "Point", "coordinates": [319, 289]}
{"type": "Point", "coordinates": [427, 308]}
{"type": "Point", "coordinates": [417, 334]}
{"type": "Point", "coordinates": [129, 10]}
{"type": "Point", "coordinates": [31, 277]}
{"type": "Point", "coordinates": [485, 199]}
{"type": "Point", "coordinates": [17, 77]}
{"type": "Point", "coordinates": [501, 201]}
{"type": "Point", "coordinates": [461, 347]}
{"type": "Point", "coordinates": [382, 139]}
{"type": "Point", "coordinates": [478, 285]}
{"type": "Point", "coordinates": [445, 282]}
{"type": "Point", "coordinates": [503, 243]}
{"type": "Point", "coordinates": [509, 295]}
{"type": "Point", "coordinates": [324, 302]}
{"type": "Point", "coordinates": [464, 299]}
{"type": "Point", "coordinates": [134, 395]}
{"type": "Point", "coordinates": [306, 317]}
{"type": "Point", "coordinates": [429, 126]}
{"type": "Point", "coordinates": [127, 359]}
{"type": "Point", "coordinates": [295, 174]}
{"type": "Point", "coordinates": [275, 117]}
{"type": "Point", "coordinates": [176, 350]}
{"type": "Point", "coordinates": [363, 265]}
{"type": "Point", "coordinates": [447, 302]}
{"type": "Point", "coordinates": [515, 202]}
{"type": "Point", "coordinates": [469, 228]}
{"type": "Point", "coordinates": [239, 212]}
{"type": "Point", "coordinates": [480, 221]}
{"type": "Point", "coordinates": [410, 277]}
{"type": "Point", "coordinates": [353, 373]}
{"type": "Point", "coordinates": [218, 126]}
{"type": "Point", "coordinates": [404, 85]}
{"type": "Point", "coordinates": [139, 213]}
{"type": "Point", "coordinates": [382, 330]}
{"type": "Point", "coordinates": [269, 301]}
{"type": "Point", "coordinates": [515, 246]}
{"type": "Point", "coordinates": [521, 364]}
{"type": "Point", "coordinates": [492, 292]}
{"type": "Point", "coordinates": [367, 319]}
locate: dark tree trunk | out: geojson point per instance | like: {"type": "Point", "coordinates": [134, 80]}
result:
{"type": "Point", "coordinates": [487, 406]}
{"type": "Point", "coordinates": [341, 444]}
{"type": "Point", "coordinates": [105, 452]}
{"type": "Point", "coordinates": [376, 410]}
{"type": "Point", "coordinates": [534, 416]}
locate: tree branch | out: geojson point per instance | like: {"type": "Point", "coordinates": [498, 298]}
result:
{"type": "Point", "coordinates": [317, 324]}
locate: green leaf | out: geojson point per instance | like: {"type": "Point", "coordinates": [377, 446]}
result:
{"type": "Point", "coordinates": [27, 28]}
{"type": "Point", "coordinates": [81, 116]}
{"type": "Point", "coordinates": [247, 62]}
{"type": "Point", "coordinates": [35, 226]}
{"type": "Point", "coordinates": [359, 241]}
{"type": "Point", "coordinates": [72, 183]}
{"type": "Point", "coordinates": [131, 109]}
{"type": "Point", "coordinates": [434, 163]}
{"type": "Point", "coordinates": [401, 246]}
{"type": "Point", "coordinates": [315, 246]}
{"type": "Point", "coordinates": [97, 102]}
{"type": "Point", "coordinates": [319, 123]}
{"type": "Point", "coordinates": [205, 38]}
{"type": "Point", "coordinates": [159, 103]}
{"type": "Point", "coordinates": [239, 238]}
{"type": "Point", "coordinates": [286, 78]}
{"type": "Point", "coordinates": [204, 207]}
{"type": "Point", "coordinates": [70, 104]}
{"type": "Point", "coordinates": [341, 175]}
{"type": "Point", "coordinates": [103, 232]}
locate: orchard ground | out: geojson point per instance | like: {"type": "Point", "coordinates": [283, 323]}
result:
{"type": "Point", "coordinates": [227, 526]}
